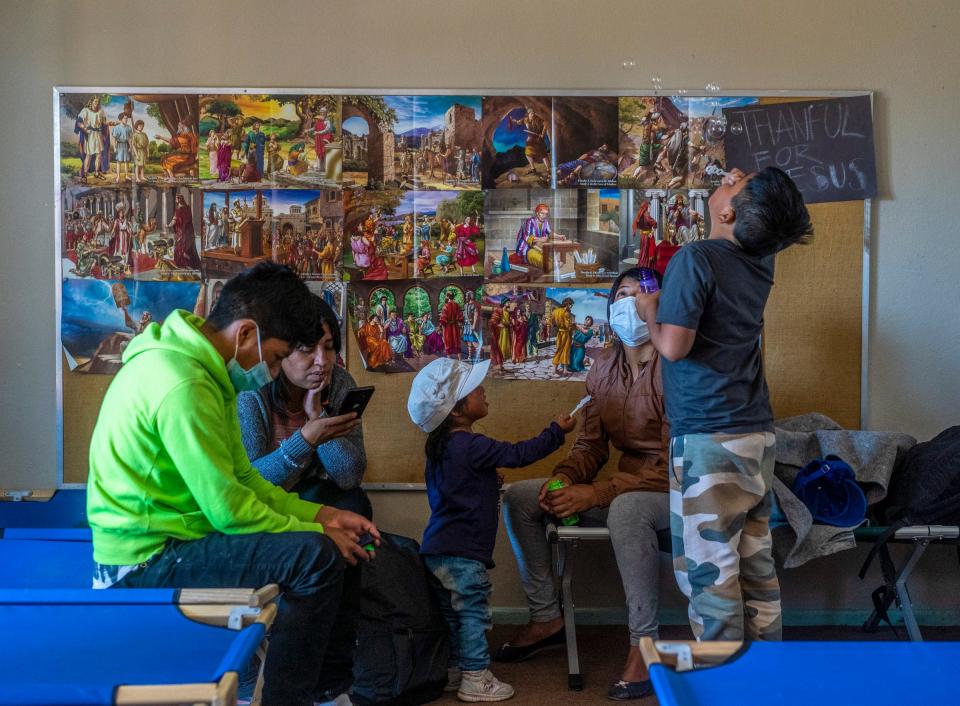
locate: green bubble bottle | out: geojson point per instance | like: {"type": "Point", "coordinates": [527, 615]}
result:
{"type": "Point", "coordinates": [557, 484]}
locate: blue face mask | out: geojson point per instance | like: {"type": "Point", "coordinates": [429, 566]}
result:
{"type": "Point", "coordinates": [252, 379]}
{"type": "Point", "coordinates": [627, 324]}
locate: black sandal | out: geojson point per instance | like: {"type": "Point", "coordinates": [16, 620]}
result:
{"type": "Point", "coordinates": [510, 653]}
{"type": "Point", "coordinates": [629, 690]}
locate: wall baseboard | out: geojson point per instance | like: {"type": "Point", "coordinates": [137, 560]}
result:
{"type": "Point", "coordinates": [509, 615]}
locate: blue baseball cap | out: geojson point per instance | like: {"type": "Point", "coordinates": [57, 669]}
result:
{"type": "Point", "coordinates": [829, 489]}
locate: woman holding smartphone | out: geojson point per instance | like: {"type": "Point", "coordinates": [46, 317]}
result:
{"type": "Point", "coordinates": [292, 431]}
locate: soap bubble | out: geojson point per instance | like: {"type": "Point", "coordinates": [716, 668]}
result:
{"type": "Point", "coordinates": [736, 129]}
{"type": "Point", "coordinates": [657, 83]}
{"type": "Point", "coordinates": [629, 64]}
{"type": "Point", "coordinates": [715, 128]}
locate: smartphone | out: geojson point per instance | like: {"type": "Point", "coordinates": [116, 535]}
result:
{"type": "Point", "coordinates": [356, 401]}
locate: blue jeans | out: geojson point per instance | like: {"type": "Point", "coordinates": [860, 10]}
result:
{"type": "Point", "coordinates": [313, 635]}
{"type": "Point", "coordinates": [462, 587]}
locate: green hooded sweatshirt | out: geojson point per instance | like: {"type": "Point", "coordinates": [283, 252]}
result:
{"type": "Point", "coordinates": [166, 459]}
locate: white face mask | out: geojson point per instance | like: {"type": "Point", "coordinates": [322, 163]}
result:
{"type": "Point", "coordinates": [252, 379]}
{"type": "Point", "coordinates": [627, 324]}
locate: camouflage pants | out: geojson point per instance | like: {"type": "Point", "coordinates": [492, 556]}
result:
{"type": "Point", "coordinates": [720, 501]}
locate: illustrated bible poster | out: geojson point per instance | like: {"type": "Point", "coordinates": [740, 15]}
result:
{"type": "Point", "coordinates": [543, 333]}
{"type": "Point", "coordinates": [164, 196]}
{"type": "Point", "coordinates": [401, 325]}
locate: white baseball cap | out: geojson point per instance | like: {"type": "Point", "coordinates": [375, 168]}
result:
{"type": "Point", "coordinates": [438, 387]}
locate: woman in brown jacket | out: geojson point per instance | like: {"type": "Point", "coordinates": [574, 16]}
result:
{"type": "Point", "coordinates": [626, 411]}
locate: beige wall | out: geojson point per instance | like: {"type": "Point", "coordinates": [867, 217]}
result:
{"type": "Point", "coordinates": [908, 52]}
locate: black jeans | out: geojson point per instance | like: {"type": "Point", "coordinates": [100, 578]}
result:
{"type": "Point", "coordinates": [325, 491]}
{"type": "Point", "coordinates": [312, 639]}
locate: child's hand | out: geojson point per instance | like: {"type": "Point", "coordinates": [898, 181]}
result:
{"type": "Point", "coordinates": [566, 423]}
{"type": "Point", "coordinates": [733, 176]}
{"type": "Point", "coordinates": [647, 305]}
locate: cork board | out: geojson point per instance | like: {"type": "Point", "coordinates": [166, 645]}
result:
{"type": "Point", "coordinates": [812, 350]}
{"type": "Point", "coordinates": [812, 356]}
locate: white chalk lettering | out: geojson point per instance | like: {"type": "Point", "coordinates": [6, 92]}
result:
{"type": "Point", "coordinates": [821, 183]}
{"type": "Point", "coordinates": [826, 116]}
{"type": "Point", "coordinates": [846, 118]}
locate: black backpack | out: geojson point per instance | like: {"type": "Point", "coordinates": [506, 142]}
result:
{"type": "Point", "coordinates": [924, 490]}
{"type": "Point", "coordinates": [402, 643]}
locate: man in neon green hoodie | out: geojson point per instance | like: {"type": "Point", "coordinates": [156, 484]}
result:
{"type": "Point", "coordinates": [173, 500]}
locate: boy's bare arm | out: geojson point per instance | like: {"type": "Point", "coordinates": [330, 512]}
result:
{"type": "Point", "coordinates": [673, 342]}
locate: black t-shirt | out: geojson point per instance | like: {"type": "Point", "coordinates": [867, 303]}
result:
{"type": "Point", "coordinates": [713, 286]}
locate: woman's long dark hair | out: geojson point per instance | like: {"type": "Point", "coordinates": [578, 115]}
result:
{"type": "Point", "coordinates": [438, 439]}
{"type": "Point", "coordinates": [278, 391]}
{"type": "Point", "coordinates": [634, 273]}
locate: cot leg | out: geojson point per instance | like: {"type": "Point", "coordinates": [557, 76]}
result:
{"type": "Point", "coordinates": [574, 678]}
{"type": "Point", "coordinates": [258, 689]}
{"type": "Point", "coordinates": [903, 594]}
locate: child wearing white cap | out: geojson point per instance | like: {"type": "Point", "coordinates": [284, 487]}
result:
{"type": "Point", "coordinates": [463, 488]}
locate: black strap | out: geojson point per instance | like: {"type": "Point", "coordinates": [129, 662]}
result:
{"type": "Point", "coordinates": [882, 597]}
{"type": "Point", "coordinates": [880, 543]}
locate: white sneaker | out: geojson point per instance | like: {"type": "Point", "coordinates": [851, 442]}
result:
{"type": "Point", "coordinates": [483, 686]}
{"type": "Point", "coordinates": [454, 677]}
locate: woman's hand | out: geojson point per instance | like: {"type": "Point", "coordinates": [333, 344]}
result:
{"type": "Point", "coordinates": [542, 495]}
{"type": "Point", "coordinates": [311, 402]}
{"type": "Point", "coordinates": [571, 499]}
{"type": "Point", "coordinates": [323, 429]}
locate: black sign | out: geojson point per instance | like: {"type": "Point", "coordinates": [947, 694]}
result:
{"type": "Point", "coordinates": [826, 146]}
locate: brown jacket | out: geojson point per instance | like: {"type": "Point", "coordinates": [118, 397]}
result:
{"type": "Point", "coordinates": [633, 420]}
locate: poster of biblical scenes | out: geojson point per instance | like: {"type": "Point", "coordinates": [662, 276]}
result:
{"type": "Point", "coordinates": [270, 140]}
{"type": "Point", "coordinates": [540, 199]}
{"type": "Point", "coordinates": [539, 332]}
{"type": "Point", "coordinates": [560, 142]}
{"type": "Point", "coordinates": [552, 235]}
{"type": "Point", "coordinates": [302, 228]}
{"type": "Point", "coordinates": [141, 138]}
{"type": "Point", "coordinates": [99, 317]}
{"type": "Point", "coordinates": [398, 234]}
{"type": "Point", "coordinates": [708, 129]}
{"type": "Point", "coordinates": [412, 142]}
{"type": "Point", "coordinates": [401, 325]}
{"type": "Point", "coordinates": [659, 222]}
{"type": "Point", "coordinates": [140, 232]}
{"type": "Point", "coordinates": [333, 293]}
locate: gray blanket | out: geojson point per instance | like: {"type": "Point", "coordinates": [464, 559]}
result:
{"type": "Point", "coordinates": [872, 455]}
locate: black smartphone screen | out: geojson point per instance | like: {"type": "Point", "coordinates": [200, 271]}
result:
{"type": "Point", "coordinates": [356, 400]}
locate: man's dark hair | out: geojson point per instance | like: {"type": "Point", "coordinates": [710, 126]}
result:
{"type": "Point", "coordinates": [770, 214]}
{"type": "Point", "coordinates": [273, 296]}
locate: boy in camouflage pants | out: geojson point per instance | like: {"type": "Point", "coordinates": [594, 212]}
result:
{"type": "Point", "coordinates": [706, 323]}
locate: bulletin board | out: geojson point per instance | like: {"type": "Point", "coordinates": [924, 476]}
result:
{"type": "Point", "coordinates": [814, 329]}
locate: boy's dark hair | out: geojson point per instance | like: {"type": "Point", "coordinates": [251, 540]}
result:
{"type": "Point", "coordinates": [273, 296]}
{"type": "Point", "coordinates": [438, 439]}
{"type": "Point", "coordinates": [770, 214]}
